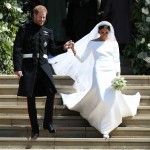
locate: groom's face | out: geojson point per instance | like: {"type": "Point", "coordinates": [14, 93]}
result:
{"type": "Point", "coordinates": [40, 18]}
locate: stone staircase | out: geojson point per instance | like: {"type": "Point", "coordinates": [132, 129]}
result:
{"type": "Point", "coordinates": [73, 132]}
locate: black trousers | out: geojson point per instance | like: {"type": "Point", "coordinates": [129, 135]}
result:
{"type": "Point", "coordinates": [49, 104]}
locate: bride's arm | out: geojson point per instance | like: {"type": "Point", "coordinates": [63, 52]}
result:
{"type": "Point", "coordinates": [73, 50]}
{"type": "Point", "coordinates": [82, 56]}
{"type": "Point", "coordinates": [116, 56]}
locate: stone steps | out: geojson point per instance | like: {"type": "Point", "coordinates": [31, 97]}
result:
{"type": "Point", "coordinates": [12, 89]}
{"type": "Point", "coordinates": [74, 143]}
{"type": "Point", "coordinates": [73, 131]}
{"type": "Point", "coordinates": [13, 79]}
{"type": "Point", "coordinates": [14, 100]}
{"type": "Point", "coordinates": [137, 79]}
{"type": "Point", "coordinates": [66, 80]}
{"type": "Point", "coordinates": [76, 132]}
{"type": "Point", "coordinates": [59, 110]}
{"type": "Point", "coordinates": [64, 121]}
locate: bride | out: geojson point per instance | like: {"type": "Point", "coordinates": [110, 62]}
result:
{"type": "Point", "coordinates": [93, 62]}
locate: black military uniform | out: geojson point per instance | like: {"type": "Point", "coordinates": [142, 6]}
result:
{"type": "Point", "coordinates": [32, 45]}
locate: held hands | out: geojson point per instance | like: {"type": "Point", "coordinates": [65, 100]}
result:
{"type": "Point", "coordinates": [118, 74]}
{"type": "Point", "coordinates": [72, 48]}
{"type": "Point", "coordinates": [70, 44]}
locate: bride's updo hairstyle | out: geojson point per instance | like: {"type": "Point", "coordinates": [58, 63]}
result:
{"type": "Point", "coordinates": [104, 26]}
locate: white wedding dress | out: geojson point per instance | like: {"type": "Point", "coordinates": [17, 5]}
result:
{"type": "Point", "coordinates": [95, 99]}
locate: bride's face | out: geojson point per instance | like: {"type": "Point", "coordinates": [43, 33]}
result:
{"type": "Point", "coordinates": [104, 33]}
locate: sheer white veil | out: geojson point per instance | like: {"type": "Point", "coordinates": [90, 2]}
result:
{"type": "Point", "coordinates": [67, 64]}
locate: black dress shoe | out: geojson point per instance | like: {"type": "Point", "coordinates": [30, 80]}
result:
{"type": "Point", "coordinates": [50, 128]}
{"type": "Point", "coordinates": [34, 134]}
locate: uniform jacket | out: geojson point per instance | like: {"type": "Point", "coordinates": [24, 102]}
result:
{"type": "Point", "coordinates": [33, 39]}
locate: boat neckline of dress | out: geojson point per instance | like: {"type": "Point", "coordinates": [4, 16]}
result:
{"type": "Point", "coordinates": [101, 41]}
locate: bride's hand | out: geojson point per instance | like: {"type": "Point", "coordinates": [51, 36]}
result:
{"type": "Point", "coordinates": [72, 45]}
{"type": "Point", "coordinates": [68, 45]}
{"type": "Point", "coordinates": [118, 74]}
{"type": "Point", "coordinates": [72, 48]}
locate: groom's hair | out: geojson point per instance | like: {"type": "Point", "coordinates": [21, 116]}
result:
{"type": "Point", "coordinates": [39, 8]}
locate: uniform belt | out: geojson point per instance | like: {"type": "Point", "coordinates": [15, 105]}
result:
{"type": "Point", "coordinates": [31, 56]}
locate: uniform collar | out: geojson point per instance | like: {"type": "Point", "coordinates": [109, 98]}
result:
{"type": "Point", "coordinates": [36, 26]}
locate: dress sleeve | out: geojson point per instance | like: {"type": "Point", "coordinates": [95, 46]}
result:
{"type": "Point", "coordinates": [116, 57]}
{"type": "Point", "coordinates": [83, 56]}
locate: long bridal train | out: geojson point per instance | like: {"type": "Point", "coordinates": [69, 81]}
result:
{"type": "Point", "coordinates": [95, 99]}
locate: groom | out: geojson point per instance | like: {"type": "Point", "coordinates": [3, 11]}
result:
{"type": "Point", "coordinates": [32, 44]}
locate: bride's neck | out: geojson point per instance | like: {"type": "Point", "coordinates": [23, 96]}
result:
{"type": "Point", "coordinates": [102, 39]}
